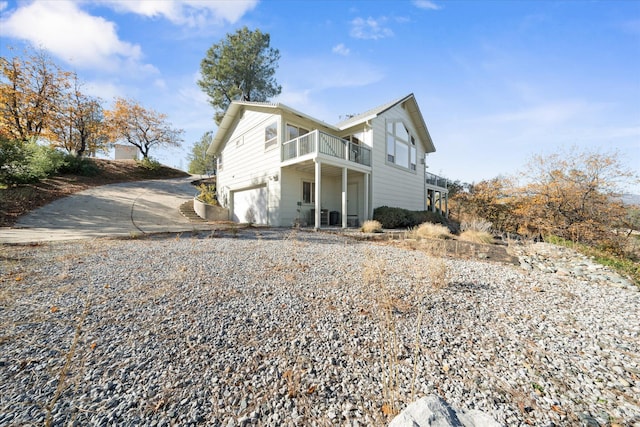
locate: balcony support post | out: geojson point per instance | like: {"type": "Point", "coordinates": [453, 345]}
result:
{"type": "Point", "coordinates": [318, 212]}
{"type": "Point", "coordinates": [446, 204]}
{"type": "Point", "coordinates": [344, 197]}
{"type": "Point", "coordinates": [432, 200]}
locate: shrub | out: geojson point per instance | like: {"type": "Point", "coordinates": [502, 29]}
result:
{"type": "Point", "coordinates": [420, 217]}
{"type": "Point", "coordinates": [404, 218]}
{"type": "Point", "coordinates": [149, 164]}
{"type": "Point", "coordinates": [43, 161]}
{"type": "Point", "coordinates": [25, 162]}
{"type": "Point", "coordinates": [13, 160]}
{"type": "Point", "coordinates": [432, 231]}
{"type": "Point", "coordinates": [207, 194]}
{"type": "Point", "coordinates": [391, 217]}
{"type": "Point", "coordinates": [476, 236]}
{"type": "Point", "coordinates": [371, 226]}
{"type": "Point", "coordinates": [79, 166]}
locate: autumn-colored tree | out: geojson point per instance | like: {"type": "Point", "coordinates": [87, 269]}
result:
{"type": "Point", "coordinates": [490, 200]}
{"type": "Point", "coordinates": [240, 68]}
{"type": "Point", "coordinates": [77, 125]}
{"type": "Point", "coordinates": [574, 195]}
{"type": "Point", "coordinates": [143, 128]}
{"type": "Point", "coordinates": [30, 89]}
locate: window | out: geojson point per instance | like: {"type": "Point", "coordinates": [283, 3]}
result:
{"type": "Point", "coordinates": [271, 136]}
{"type": "Point", "coordinates": [294, 131]}
{"type": "Point", "coordinates": [412, 162]}
{"type": "Point", "coordinates": [391, 148]}
{"type": "Point", "coordinates": [308, 192]}
{"type": "Point", "coordinates": [413, 154]}
{"type": "Point", "coordinates": [401, 146]}
{"type": "Point", "coordinates": [402, 154]}
{"type": "Point", "coordinates": [220, 162]}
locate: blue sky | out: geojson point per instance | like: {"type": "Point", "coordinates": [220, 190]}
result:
{"type": "Point", "coordinates": [496, 81]}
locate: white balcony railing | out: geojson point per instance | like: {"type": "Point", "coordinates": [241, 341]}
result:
{"type": "Point", "coordinates": [324, 143]}
{"type": "Point", "coordinates": [436, 180]}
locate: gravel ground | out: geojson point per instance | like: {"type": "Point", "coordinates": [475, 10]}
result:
{"type": "Point", "coordinates": [282, 328]}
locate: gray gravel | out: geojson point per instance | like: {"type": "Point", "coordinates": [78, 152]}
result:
{"type": "Point", "coordinates": [282, 328]}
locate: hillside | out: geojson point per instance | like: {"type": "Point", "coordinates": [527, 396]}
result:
{"type": "Point", "coordinates": [20, 199]}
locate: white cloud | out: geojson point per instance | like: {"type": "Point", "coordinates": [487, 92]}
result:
{"type": "Point", "coordinates": [192, 95]}
{"type": "Point", "coordinates": [341, 49]}
{"type": "Point", "coordinates": [426, 4]}
{"type": "Point", "coordinates": [3, 5]}
{"type": "Point", "coordinates": [73, 35]}
{"type": "Point", "coordinates": [193, 13]}
{"type": "Point", "coordinates": [104, 90]}
{"type": "Point", "coordinates": [370, 28]}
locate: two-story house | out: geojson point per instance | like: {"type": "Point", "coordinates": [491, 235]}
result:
{"type": "Point", "coordinates": [280, 167]}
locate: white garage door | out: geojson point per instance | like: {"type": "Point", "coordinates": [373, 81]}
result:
{"type": "Point", "coordinates": [250, 205]}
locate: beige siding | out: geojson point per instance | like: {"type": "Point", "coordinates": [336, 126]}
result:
{"type": "Point", "coordinates": [291, 195]}
{"type": "Point", "coordinates": [331, 190]}
{"type": "Point", "coordinates": [392, 185]}
{"type": "Point", "coordinates": [246, 164]}
{"type": "Point", "coordinates": [292, 180]}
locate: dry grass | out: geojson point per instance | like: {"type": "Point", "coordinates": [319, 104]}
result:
{"type": "Point", "coordinates": [429, 230]}
{"type": "Point", "coordinates": [476, 237]}
{"type": "Point", "coordinates": [394, 306]}
{"type": "Point", "coordinates": [371, 226]}
{"type": "Point", "coordinates": [438, 272]}
{"type": "Point", "coordinates": [476, 224]}
{"type": "Point", "coordinates": [386, 301]}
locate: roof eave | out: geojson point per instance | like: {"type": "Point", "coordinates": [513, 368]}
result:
{"type": "Point", "coordinates": [236, 107]}
{"type": "Point", "coordinates": [418, 119]}
{"type": "Point", "coordinates": [223, 128]}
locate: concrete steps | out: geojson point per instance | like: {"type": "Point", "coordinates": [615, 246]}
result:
{"type": "Point", "coordinates": [186, 209]}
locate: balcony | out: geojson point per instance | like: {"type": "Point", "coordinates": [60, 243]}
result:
{"type": "Point", "coordinates": [435, 180]}
{"type": "Point", "coordinates": [318, 142]}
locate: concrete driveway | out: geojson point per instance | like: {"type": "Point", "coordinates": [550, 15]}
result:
{"type": "Point", "coordinates": [110, 210]}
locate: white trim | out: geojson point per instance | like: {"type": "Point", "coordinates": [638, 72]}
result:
{"type": "Point", "coordinates": [318, 207]}
{"type": "Point", "coordinates": [397, 140]}
{"type": "Point", "coordinates": [344, 197]}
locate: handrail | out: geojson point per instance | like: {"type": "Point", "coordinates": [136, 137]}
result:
{"type": "Point", "coordinates": [436, 180]}
{"type": "Point", "coordinates": [324, 143]}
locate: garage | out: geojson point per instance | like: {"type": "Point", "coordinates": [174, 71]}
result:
{"type": "Point", "coordinates": [250, 205]}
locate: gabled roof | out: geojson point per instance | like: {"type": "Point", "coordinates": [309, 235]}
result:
{"type": "Point", "coordinates": [368, 115]}
{"type": "Point", "coordinates": [410, 104]}
{"type": "Point", "coordinates": [236, 108]}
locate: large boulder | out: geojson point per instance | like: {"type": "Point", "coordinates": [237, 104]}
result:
{"type": "Point", "coordinates": [432, 411]}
